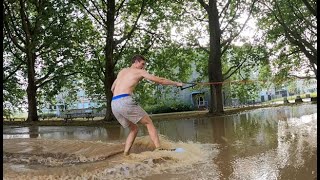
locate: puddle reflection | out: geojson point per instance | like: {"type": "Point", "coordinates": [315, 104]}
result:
{"type": "Point", "coordinates": [268, 143]}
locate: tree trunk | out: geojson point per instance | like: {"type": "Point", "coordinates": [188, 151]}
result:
{"type": "Point", "coordinates": [219, 98]}
{"type": "Point", "coordinates": [31, 89]}
{"type": "Point", "coordinates": [212, 107]}
{"type": "Point", "coordinates": [109, 78]}
{"type": "Point", "coordinates": [109, 65]}
{"type": "Point", "coordinates": [32, 103]}
{"type": "Point", "coordinates": [214, 63]}
{"type": "Point", "coordinates": [31, 58]}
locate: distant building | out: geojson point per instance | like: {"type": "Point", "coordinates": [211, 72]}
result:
{"type": "Point", "coordinates": [306, 86]}
{"type": "Point", "coordinates": [303, 86]}
{"type": "Point", "coordinates": [82, 103]}
{"type": "Point", "coordinates": [197, 96]}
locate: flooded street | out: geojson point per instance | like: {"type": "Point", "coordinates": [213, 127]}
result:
{"type": "Point", "coordinates": [264, 144]}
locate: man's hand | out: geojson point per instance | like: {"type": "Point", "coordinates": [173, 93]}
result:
{"type": "Point", "coordinates": [179, 84]}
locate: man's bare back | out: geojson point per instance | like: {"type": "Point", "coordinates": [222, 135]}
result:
{"type": "Point", "coordinates": [126, 81]}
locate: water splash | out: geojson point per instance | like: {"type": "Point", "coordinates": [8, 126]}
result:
{"type": "Point", "coordinates": [46, 159]}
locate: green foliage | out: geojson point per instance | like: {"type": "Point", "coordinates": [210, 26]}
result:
{"type": "Point", "coordinates": [172, 62]}
{"type": "Point", "coordinates": [13, 95]}
{"type": "Point", "coordinates": [244, 92]}
{"type": "Point", "coordinates": [201, 63]}
{"type": "Point", "coordinates": [13, 85]}
{"type": "Point", "coordinates": [246, 58]}
{"type": "Point", "coordinates": [53, 40]}
{"type": "Point", "coordinates": [47, 115]}
{"type": "Point", "coordinates": [7, 113]}
{"type": "Point", "coordinates": [248, 63]}
{"type": "Point", "coordinates": [167, 107]}
{"type": "Point", "coordinates": [291, 30]}
{"type": "Point", "coordinates": [265, 73]}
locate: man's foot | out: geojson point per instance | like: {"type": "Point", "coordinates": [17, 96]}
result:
{"type": "Point", "coordinates": [126, 153]}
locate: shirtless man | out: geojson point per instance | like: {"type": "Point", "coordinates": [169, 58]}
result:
{"type": "Point", "coordinates": [125, 109]}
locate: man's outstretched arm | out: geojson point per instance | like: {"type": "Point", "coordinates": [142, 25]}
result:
{"type": "Point", "coordinates": [160, 80]}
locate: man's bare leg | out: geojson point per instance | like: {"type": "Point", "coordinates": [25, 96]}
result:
{"type": "Point", "coordinates": [131, 137]}
{"type": "Point", "coordinates": [151, 129]}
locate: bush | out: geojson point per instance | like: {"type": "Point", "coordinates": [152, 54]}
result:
{"type": "Point", "coordinates": [167, 108]}
{"type": "Point", "coordinates": [47, 115]}
{"type": "Point", "coordinates": [7, 113]}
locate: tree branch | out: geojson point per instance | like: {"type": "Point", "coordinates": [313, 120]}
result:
{"type": "Point", "coordinates": [236, 68]}
{"type": "Point", "coordinates": [226, 44]}
{"type": "Point", "coordinates": [12, 22]}
{"type": "Point", "coordinates": [302, 77]}
{"type": "Point", "coordinates": [12, 73]}
{"type": "Point", "coordinates": [40, 80]}
{"type": "Point", "coordinates": [229, 22]}
{"type": "Point", "coordinates": [225, 8]}
{"type": "Point", "coordinates": [204, 5]}
{"type": "Point", "coordinates": [197, 44]}
{"type": "Point", "coordinates": [15, 55]}
{"type": "Point", "coordinates": [301, 16]}
{"type": "Point", "coordinates": [25, 22]}
{"type": "Point", "coordinates": [39, 9]}
{"type": "Point", "coordinates": [118, 9]}
{"type": "Point", "coordinates": [91, 14]}
{"type": "Point", "coordinates": [310, 8]}
{"type": "Point", "coordinates": [97, 9]}
{"type": "Point", "coordinates": [145, 50]}
{"type": "Point", "coordinates": [198, 19]}
{"type": "Point", "coordinates": [134, 26]}
{"type": "Point", "coordinates": [13, 39]}
{"type": "Point", "coordinates": [57, 77]}
{"type": "Point", "coordinates": [298, 39]}
{"type": "Point", "coordinates": [100, 68]}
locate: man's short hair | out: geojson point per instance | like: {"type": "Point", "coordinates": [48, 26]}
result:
{"type": "Point", "coordinates": [137, 57]}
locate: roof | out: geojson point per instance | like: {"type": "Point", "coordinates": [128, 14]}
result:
{"type": "Point", "coordinates": [197, 92]}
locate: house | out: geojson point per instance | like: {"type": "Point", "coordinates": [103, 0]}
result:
{"type": "Point", "coordinates": [306, 86]}
{"type": "Point", "coordinates": [301, 86]}
{"type": "Point", "coordinates": [81, 104]}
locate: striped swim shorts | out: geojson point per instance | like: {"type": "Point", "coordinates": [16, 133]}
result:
{"type": "Point", "coordinates": [126, 109]}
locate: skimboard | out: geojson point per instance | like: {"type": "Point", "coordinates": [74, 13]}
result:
{"type": "Point", "coordinates": [179, 150]}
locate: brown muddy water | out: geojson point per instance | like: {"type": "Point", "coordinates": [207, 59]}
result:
{"type": "Point", "coordinates": [263, 144]}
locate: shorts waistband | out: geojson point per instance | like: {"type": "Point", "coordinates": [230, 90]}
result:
{"type": "Point", "coordinates": [120, 96]}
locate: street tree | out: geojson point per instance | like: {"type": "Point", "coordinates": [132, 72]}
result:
{"type": "Point", "coordinates": [221, 20]}
{"type": "Point", "coordinates": [291, 34]}
{"type": "Point", "coordinates": [43, 40]}
{"type": "Point", "coordinates": [126, 28]}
